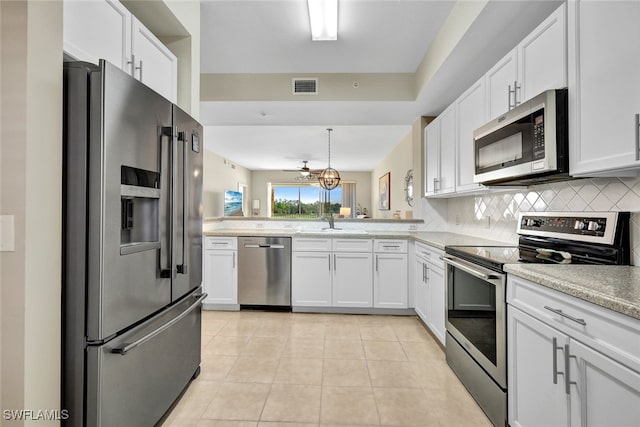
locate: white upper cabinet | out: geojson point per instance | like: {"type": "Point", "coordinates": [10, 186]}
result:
{"type": "Point", "coordinates": [94, 30]}
{"type": "Point", "coordinates": [500, 82]}
{"type": "Point", "coordinates": [604, 88]}
{"type": "Point", "coordinates": [155, 65]}
{"type": "Point", "coordinates": [432, 156]}
{"type": "Point", "coordinates": [471, 114]}
{"type": "Point", "coordinates": [105, 29]}
{"type": "Point", "coordinates": [440, 153]}
{"type": "Point", "coordinates": [538, 63]}
{"type": "Point", "coordinates": [542, 57]}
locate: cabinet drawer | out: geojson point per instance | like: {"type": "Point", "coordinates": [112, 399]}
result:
{"type": "Point", "coordinates": [352, 245]}
{"type": "Point", "coordinates": [389, 245]}
{"type": "Point", "coordinates": [612, 333]}
{"type": "Point", "coordinates": [429, 253]}
{"type": "Point", "coordinates": [311, 244]}
{"type": "Point", "coordinates": [212, 243]}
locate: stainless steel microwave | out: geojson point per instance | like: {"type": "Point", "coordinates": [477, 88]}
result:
{"type": "Point", "coordinates": [527, 145]}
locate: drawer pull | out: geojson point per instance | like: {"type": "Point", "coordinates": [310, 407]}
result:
{"type": "Point", "coordinates": [560, 313]}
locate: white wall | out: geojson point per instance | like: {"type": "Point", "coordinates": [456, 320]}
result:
{"type": "Point", "coordinates": [398, 162]}
{"type": "Point", "coordinates": [31, 170]}
{"type": "Point", "coordinates": [220, 175]}
{"type": "Point", "coordinates": [260, 180]}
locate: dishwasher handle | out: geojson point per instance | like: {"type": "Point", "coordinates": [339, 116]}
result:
{"type": "Point", "coordinates": [263, 246]}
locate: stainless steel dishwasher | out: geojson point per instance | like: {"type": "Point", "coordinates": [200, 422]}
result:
{"type": "Point", "coordinates": [264, 272]}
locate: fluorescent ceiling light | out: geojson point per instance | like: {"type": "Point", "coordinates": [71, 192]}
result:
{"type": "Point", "coordinates": [323, 15]}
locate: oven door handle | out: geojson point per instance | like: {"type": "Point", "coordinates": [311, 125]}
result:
{"type": "Point", "coordinates": [469, 268]}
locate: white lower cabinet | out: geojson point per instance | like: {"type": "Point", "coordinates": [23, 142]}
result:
{"type": "Point", "coordinates": [346, 273]}
{"type": "Point", "coordinates": [352, 277]}
{"type": "Point", "coordinates": [430, 289]}
{"type": "Point", "coordinates": [390, 274]}
{"type": "Point", "coordinates": [583, 371]}
{"type": "Point", "coordinates": [221, 271]}
{"type": "Point", "coordinates": [311, 279]}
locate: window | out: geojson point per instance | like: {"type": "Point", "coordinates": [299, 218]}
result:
{"type": "Point", "coordinates": [306, 201]}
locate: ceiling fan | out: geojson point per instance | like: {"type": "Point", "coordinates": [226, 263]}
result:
{"type": "Point", "coordinates": [305, 170]}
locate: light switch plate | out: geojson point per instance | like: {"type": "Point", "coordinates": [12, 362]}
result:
{"type": "Point", "coordinates": [7, 233]}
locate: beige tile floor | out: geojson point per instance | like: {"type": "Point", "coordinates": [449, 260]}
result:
{"type": "Point", "coordinates": [263, 369]}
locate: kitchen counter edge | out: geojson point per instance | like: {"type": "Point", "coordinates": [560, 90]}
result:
{"type": "Point", "coordinates": [614, 287]}
{"type": "Point", "coordinates": [436, 239]}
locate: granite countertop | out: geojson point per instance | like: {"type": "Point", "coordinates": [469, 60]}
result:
{"type": "Point", "coordinates": [614, 287]}
{"type": "Point", "coordinates": [436, 239]}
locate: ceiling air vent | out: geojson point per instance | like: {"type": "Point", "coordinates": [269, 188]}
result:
{"type": "Point", "coordinates": [308, 86]}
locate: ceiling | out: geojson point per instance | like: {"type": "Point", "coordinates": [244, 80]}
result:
{"type": "Point", "coordinates": [267, 38]}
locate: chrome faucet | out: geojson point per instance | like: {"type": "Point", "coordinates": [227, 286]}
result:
{"type": "Point", "coordinates": [331, 221]}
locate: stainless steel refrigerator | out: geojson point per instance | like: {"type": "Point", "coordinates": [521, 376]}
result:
{"type": "Point", "coordinates": [132, 233]}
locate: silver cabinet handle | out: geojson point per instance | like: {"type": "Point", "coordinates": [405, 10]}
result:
{"type": "Point", "coordinates": [391, 246]}
{"type": "Point", "coordinates": [376, 263]}
{"type": "Point", "coordinates": [424, 272]}
{"type": "Point", "coordinates": [428, 275]}
{"type": "Point", "coordinates": [515, 95]}
{"type": "Point", "coordinates": [329, 256]}
{"type": "Point", "coordinates": [133, 64]}
{"type": "Point", "coordinates": [637, 136]}
{"type": "Point", "coordinates": [335, 263]}
{"type": "Point", "coordinates": [140, 68]}
{"type": "Point", "coordinates": [128, 347]}
{"type": "Point", "coordinates": [234, 260]}
{"type": "Point", "coordinates": [567, 370]}
{"type": "Point", "coordinates": [555, 360]}
{"type": "Point", "coordinates": [565, 315]}
{"type": "Point", "coordinates": [509, 91]}
{"type": "Point", "coordinates": [436, 181]}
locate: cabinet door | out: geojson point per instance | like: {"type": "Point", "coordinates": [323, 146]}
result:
{"type": "Point", "coordinates": [471, 109]}
{"type": "Point", "coordinates": [533, 398]}
{"type": "Point", "coordinates": [390, 281]}
{"type": "Point", "coordinates": [435, 276]}
{"type": "Point", "coordinates": [421, 289]}
{"type": "Point", "coordinates": [447, 181]}
{"type": "Point", "coordinates": [352, 280]}
{"type": "Point", "coordinates": [542, 57]}
{"type": "Point", "coordinates": [311, 279]}
{"type": "Point", "coordinates": [604, 85]}
{"type": "Point", "coordinates": [498, 80]}
{"type": "Point", "coordinates": [155, 65]}
{"type": "Point", "coordinates": [609, 393]}
{"type": "Point", "coordinates": [221, 277]}
{"type": "Point", "coordinates": [432, 156]}
{"type": "Point", "coordinates": [94, 30]}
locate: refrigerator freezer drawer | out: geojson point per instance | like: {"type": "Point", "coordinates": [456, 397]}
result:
{"type": "Point", "coordinates": [132, 380]}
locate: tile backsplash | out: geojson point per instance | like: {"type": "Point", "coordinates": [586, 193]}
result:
{"type": "Point", "coordinates": [494, 215]}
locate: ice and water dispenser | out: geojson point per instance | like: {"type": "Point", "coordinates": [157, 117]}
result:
{"type": "Point", "coordinates": [140, 207]}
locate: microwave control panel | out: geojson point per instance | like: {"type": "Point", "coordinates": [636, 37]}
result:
{"type": "Point", "coordinates": [538, 137]}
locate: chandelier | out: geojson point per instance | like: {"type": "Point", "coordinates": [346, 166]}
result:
{"type": "Point", "coordinates": [329, 178]}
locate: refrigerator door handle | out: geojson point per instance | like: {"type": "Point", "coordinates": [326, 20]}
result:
{"type": "Point", "coordinates": [182, 136]}
{"type": "Point", "coordinates": [171, 132]}
{"type": "Point", "coordinates": [128, 347]}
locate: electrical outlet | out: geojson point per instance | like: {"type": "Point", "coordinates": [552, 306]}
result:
{"type": "Point", "coordinates": [487, 222]}
{"type": "Point", "coordinates": [413, 227]}
{"type": "Point", "coordinates": [260, 225]}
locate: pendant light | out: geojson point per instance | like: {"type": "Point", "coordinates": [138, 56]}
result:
{"type": "Point", "coordinates": [329, 178]}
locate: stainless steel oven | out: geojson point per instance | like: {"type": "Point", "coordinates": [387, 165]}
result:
{"type": "Point", "coordinates": [476, 328]}
{"type": "Point", "coordinates": [476, 294]}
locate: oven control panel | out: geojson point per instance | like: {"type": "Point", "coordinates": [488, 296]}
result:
{"type": "Point", "coordinates": [571, 225]}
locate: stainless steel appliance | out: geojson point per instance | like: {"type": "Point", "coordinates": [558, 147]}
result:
{"type": "Point", "coordinates": [264, 272]}
{"type": "Point", "coordinates": [528, 144]}
{"type": "Point", "coordinates": [476, 294]}
{"type": "Point", "coordinates": [132, 267]}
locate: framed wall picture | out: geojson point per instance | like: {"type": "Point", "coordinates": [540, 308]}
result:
{"type": "Point", "coordinates": [384, 192]}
